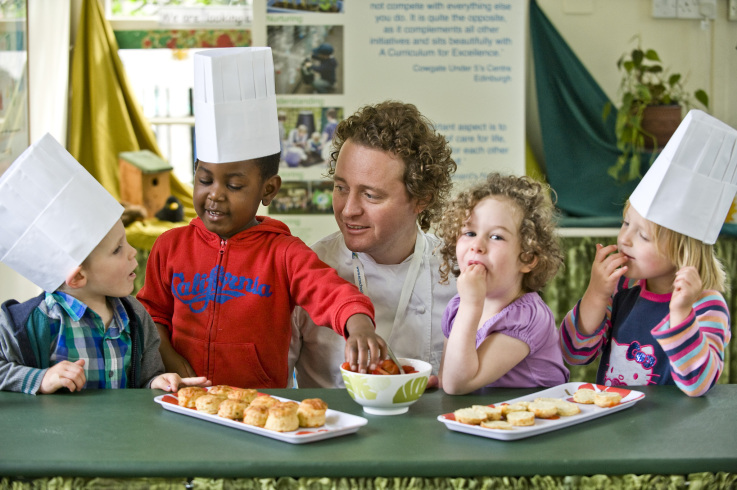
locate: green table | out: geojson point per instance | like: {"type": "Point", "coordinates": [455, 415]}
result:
{"type": "Point", "coordinates": [124, 434]}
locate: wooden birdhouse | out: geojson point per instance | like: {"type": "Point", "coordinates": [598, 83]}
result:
{"type": "Point", "coordinates": [144, 179]}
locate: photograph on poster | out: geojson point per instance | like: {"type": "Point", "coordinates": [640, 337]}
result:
{"type": "Point", "coordinates": [302, 6]}
{"type": "Point", "coordinates": [307, 134]}
{"type": "Point", "coordinates": [307, 59]}
{"type": "Point", "coordinates": [303, 197]}
{"type": "Point", "coordinates": [14, 123]}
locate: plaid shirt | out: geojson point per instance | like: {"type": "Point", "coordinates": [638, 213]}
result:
{"type": "Point", "coordinates": [77, 332]}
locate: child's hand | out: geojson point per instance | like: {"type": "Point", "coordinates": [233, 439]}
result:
{"type": "Point", "coordinates": [172, 382]}
{"type": "Point", "coordinates": [64, 374]}
{"type": "Point", "coordinates": [687, 288]}
{"type": "Point", "coordinates": [471, 284]}
{"type": "Point", "coordinates": [606, 270]}
{"type": "Point", "coordinates": [363, 344]}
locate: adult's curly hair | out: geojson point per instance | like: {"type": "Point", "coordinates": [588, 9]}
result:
{"type": "Point", "coordinates": [400, 129]}
{"type": "Point", "coordinates": [537, 228]}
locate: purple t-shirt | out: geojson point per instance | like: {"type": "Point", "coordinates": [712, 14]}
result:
{"type": "Point", "coordinates": [530, 320]}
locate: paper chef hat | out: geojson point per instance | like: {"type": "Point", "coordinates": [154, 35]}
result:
{"type": "Point", "coordinates": [235, 104]}
{"type": "Point", "coordinates": [692, 183]}
{"type": "Point", "coordinates": [52, 214]}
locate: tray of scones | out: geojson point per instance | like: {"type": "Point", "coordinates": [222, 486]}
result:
{"type": "Point", "coordinates": [544, 411]}
{"type": "Point", "coordinates": [246, 409]}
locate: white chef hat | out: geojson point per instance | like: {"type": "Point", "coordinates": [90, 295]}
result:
{"type": "Point", "coordinates": [235, 104]}
{"type": "Point", "coordinates": [692, 183]}
{"type": "Point", "coordinates": [53, 213]}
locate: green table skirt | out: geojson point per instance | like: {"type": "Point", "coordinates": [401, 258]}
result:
{"type": "Point", "coordinates": [700, 481]}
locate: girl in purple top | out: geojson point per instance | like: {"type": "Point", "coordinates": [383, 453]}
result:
{"type": "Point", "coordinates": [499, 241]}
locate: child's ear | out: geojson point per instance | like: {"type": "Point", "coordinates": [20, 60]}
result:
{"type": "Point", "coordinates": [76, 279]}
{"type": "Point", "coordinates": [530, 265]}
{"type": "Point", "coordinates": [270, 189]}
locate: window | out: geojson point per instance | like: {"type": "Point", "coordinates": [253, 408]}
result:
{"type": "Point", "coordinates": [156, 47]}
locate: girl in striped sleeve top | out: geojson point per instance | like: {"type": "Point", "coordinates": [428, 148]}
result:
{"type": "Point", "coordinates": [653, 310]}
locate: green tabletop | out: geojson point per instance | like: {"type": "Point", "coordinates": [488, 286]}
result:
{"type": "Point", "coordinates": [124, 433]}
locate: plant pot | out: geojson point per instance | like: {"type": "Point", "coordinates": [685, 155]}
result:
{"type": "Point", "coordinates": [661, 121]}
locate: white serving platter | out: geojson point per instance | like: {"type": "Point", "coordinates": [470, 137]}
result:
{"type": "Point", "coordinates": [336, 423]}
{"type": "Point", "coordinates": [564, 391]}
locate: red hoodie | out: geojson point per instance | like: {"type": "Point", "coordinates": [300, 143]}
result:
{"type": "Point", "coordinates": [228, 303]}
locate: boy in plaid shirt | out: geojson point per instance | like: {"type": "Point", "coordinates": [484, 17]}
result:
{"type": "Point", "coordinates": [88, 332]}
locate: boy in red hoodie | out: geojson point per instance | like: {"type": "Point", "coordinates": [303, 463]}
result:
{"type": "Point", "coordinates": [222, 289]}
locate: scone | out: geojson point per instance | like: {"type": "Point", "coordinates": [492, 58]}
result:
{"type": "Point", "coordinates": [283, 417]}
{"type": "Point", "coordinates": [566, 408]}
{"type": "Point", "coordinates": [221, 390]}
{"type": "Point", "coordinates": [492, 413]}
{"type": "Point", "coordinates": [245, 395]}
{"type": "Point", "coordinates": [209, 403]}
{"type": "Point", "coordinates": [543, 410]}
{"type": "Point", "coordinates": [264, 401]}
{"type": "Point", "coordinates": [520, 418]}
{"type": "Point", "coordinates": [584, 395]}
{"type": "Point", "coordinates": [496, 424]}
{"type": "Point", "coordinates": [311, 412]}
{"type": "Point", "coordinates": [514, 407]}
{"type": "Point", "coordinates": [189, 394]}
{"type": "Point", "coordinates": [606, 399]}
{"type": "Point", "coordinates": [256, 415]}
{"type": "Point", "coordinates": [469, 416]}
{"type": "Point", "coordinates": [232, 409]}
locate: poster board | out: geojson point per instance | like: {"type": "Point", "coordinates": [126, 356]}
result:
{"type": "Point", "coordinates": [462, 63]}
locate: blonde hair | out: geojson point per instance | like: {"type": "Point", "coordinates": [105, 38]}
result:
{"type": "Point", "coordinates": [683, 250]}
{"type": "Point", "coordinates": [538, 239]}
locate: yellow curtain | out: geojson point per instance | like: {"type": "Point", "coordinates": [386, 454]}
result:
{"type": "Point", "coordinates": [532, 167]}
{"type": "Point", "coordinates": [106, 119]}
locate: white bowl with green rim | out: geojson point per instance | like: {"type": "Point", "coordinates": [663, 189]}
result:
{"type": "Point", "coordinates": [388, 394]}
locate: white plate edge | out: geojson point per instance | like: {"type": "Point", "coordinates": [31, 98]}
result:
{"type": "Point", "coordinates": [523, 432]}
{"type": "Point", "coordinates": [355, 422]}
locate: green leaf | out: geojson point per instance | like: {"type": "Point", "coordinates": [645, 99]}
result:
{"type": "Point", "coordinates": [606, 111]}
{"type": "Point", "coordinates": [411, 390]}
{"type": "Point", "coordinates": [702, 97]}
{"type": "Point", "coordinates": [652, 55]}
{"type": "Point", "coordinates": [361, 389]}
{"type": "Point", "coordinates": [637, 56]}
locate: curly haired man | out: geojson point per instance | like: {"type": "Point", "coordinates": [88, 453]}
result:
{"type": "Point", "coordinates": [392, 173]}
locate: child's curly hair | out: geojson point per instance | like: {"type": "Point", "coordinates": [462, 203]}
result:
{"type": "Point", "coordinates": [401, 130]}
{"type": "Point", "coordinates": [537, 234]}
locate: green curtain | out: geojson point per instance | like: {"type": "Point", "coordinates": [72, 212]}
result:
{"type": "Point", "coordinates": [578, 145]}
{"type": "Point", "coordinates": [562, 293]}
{"type": "Point", "coordinates": [105, 117]}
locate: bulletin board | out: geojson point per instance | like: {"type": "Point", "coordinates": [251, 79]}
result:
{"type": "Point", "coordinates": [462, 63]}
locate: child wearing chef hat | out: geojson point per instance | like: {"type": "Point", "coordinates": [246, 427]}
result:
{"type": "Point", "coordinates": [653, 309]}
{"type": "Point", "coordinates": [221, 290]}
{"type": "Point", "coordinates": [62, 230]}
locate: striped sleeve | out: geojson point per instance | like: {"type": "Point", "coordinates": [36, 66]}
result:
{"type": "Point", "coordinates": [695, 348]}
{"type": "Point", "coordinates": [578, 348]}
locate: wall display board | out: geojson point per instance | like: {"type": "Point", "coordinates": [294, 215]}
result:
{"type": "Point", "coordinates": [460, 62]}
{"type": "Point", "coordinates": [14, 124]}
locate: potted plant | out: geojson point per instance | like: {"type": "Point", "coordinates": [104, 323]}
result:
{"type": "Point", "coordinates": [648, 91]}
